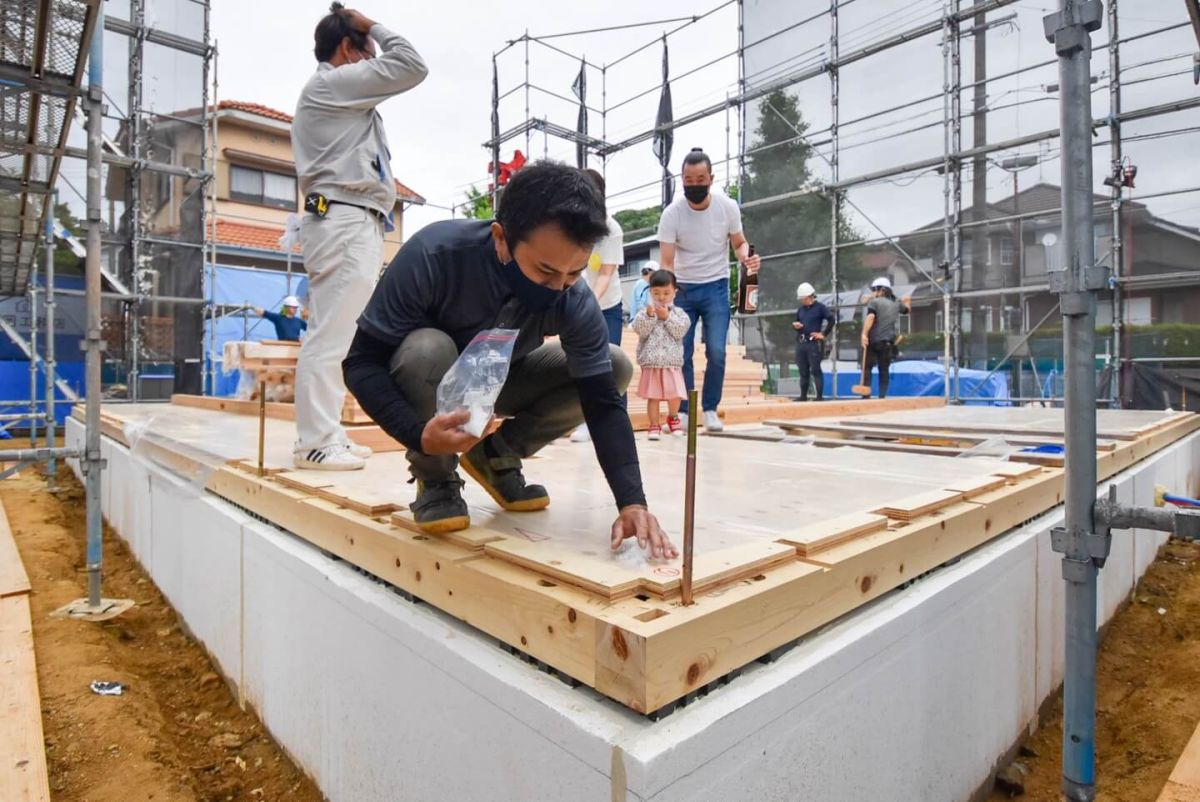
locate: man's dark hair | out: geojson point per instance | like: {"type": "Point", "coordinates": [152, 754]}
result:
{"type": "Point", "coordinates": [697, 156]}
{"type": "Point", "coordinates": [662, 278]}
{"type": "Point", "coordinates": [551, 193]}
{"type": "Point", "coordinates": [597, 179]}
{"type": "Point", "coordinates": [331, 30]}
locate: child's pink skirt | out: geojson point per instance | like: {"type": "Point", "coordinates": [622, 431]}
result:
{"type": "Point", "coordinates": [662, 384]}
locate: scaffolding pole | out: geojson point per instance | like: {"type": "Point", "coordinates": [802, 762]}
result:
{"type": "Point", "coordinates": [92, 464]}
{"type": "Point", "coordinates": [834, 197]}
{"type": "Point", "coordinates": [1082, 547]}
{"type": "Point", "coordinates": [51, 365]}
{"type": "Point", "coordinates": [1118, 246]}
{"type": "Point", "coordinates": [210, 291]}
{"type": "Point", "coordinates": [133, 331]}
{"type": "Point", "coordinates": [208, 209]}
{"type": "Point", "coordinates": [33, 357]}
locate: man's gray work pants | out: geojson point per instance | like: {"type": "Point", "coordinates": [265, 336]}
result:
{"type": "Point", "coordinates": [539, 396]}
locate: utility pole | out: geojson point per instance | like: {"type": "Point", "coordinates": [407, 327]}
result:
{"type": "Point", "coordinates": [1083, 547]}
{"type": "Point", "coordinates": [979, 237]}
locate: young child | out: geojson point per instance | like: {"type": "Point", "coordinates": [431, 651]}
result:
{"type": "Point", "coordinates": [661, 327]}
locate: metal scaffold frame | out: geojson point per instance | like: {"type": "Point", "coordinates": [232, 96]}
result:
{"type": "Point", "coordinates": [948, 285]}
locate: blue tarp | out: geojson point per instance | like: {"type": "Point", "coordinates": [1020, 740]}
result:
{"type": "Point", "coordinates": [246, 285]}
{"type": "Point", "coordinates": [917, 378]}
{"type": "Point", "coordinates": [14, 386]}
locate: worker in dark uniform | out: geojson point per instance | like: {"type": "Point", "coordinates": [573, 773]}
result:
{"type": "Point", "coordinates": [456, 278]}
{"type": "Point", "coordinates": [813, 324]}
{"type": "Point", "coordinates": [289, 323]}
{"type": "Point", "coordinates": [881, 330]}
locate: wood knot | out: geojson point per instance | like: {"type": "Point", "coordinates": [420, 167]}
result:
{"type": "Point", "coordinates": [571, 616]}
{"type": "Point", "coordinates": [866, 583]}
{"type": "Point", "coordinates": [620, 648]}
{"type": "Point", "coordinates": [693, 673]}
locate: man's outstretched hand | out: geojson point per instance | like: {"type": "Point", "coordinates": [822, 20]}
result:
{"type": "Point", "coordinates": [636, 521]}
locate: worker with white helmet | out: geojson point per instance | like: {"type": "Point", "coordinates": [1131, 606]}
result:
{"type": "Point", "coordinates": [813, 324]}
{"type": "Point", "coordinates": [880, 331]}
{"type": "Point", "coordinates": [289, 323]}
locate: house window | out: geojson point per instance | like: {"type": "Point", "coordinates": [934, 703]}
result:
{"type": "Point", "coordinates": [262, 187]}
{"type": "Point", "coordinates": [1006, 251]}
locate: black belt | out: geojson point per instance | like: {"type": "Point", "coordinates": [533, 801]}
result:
{"type": "Point", "coordinates": [317, 204]}
{"type": "Point", "coordinates": [378, 215]}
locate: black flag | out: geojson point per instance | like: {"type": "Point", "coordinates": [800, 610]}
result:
{"type": "Point", "coordinates": [664, 138]}
{"type": "Point", "coordinates": [495, 167]}
{"type": "Point", "coordinates": [579, 88]}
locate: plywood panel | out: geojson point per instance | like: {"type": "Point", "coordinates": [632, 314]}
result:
{"type": "Point", "coordinates": [13, 579]}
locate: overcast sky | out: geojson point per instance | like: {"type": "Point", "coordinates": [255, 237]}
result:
{"type": "Point", "coordinates": [437, 130]}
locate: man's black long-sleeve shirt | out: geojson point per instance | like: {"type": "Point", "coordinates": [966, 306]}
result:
{"type": "Point", "coordinates": [448, 277]}
{"type": "Point", "coordinates": [813, 319]}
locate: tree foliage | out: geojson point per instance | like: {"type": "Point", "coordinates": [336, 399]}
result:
{"type": "Point", "coordinates": [779, 161]}
{"type": "Point", "coordinates": [478, 205]}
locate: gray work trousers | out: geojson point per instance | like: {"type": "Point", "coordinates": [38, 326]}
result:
{"type": "Point", "coordinates": [539, 396]}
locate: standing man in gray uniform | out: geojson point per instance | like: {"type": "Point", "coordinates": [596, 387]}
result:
{"type": "Point", "coordinates": [343, 164]}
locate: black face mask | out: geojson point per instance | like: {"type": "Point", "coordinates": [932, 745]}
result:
{"type": "Point", "coordinates": [696, 193]}
{"type": "Point", "coordinates": [533, 296]}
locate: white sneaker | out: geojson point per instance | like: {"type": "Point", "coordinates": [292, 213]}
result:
{"type": "Point", "coordinates": [581, 435]}
{"type": "Point", "coordinates": [336, 457]}
{"type": "Point", "coordinates": [683, 419]}
{"type": "Point", "coordinates": [362, 452]}
{"type": "Point", "coordinates": [712, 422]}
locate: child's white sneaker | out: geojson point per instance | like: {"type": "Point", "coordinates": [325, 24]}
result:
{"type": "Point", "coordinates": [654, 433]}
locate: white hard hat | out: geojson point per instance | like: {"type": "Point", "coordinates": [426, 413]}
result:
{"type": "Point", "coordinates": [292, 301]}
{"type": "Point", "coordinates": [650, 267]}
{"type": "Point", "coordinates": [882, 281]}
{"type": "Point", "coordinates": [804, 291]}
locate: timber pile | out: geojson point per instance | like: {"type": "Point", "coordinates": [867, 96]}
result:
{"type": "Point", "coordinates": [1184, 783]}
{"type": "Point", "coordinates": [789, 538]}
{"type": "Point", "coordinates": [23, 774]}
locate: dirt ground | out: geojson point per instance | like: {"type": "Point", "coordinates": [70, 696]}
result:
{"type": "Point", "coordinates": [176, 733]}
{"type": "Point", "coordinates": [1148, 678]}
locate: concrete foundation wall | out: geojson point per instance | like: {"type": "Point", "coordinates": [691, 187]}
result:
{"type": "Point", "coordinates": [914, 696]}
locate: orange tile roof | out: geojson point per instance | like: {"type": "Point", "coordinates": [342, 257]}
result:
{"type": "Point", "coordinates": [244, 235]}
{"type": "Point", "coordinates": [404, 193]}
{"type": "Point", "coordinates": [255, 108]}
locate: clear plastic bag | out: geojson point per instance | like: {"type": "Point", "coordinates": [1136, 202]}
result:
{"type": "Point", "coordinates": [476, 378]}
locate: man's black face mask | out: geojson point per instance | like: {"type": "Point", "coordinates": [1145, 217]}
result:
{"type": "Point", "coordinates": [696, 193]}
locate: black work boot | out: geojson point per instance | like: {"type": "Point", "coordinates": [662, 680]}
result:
{"type": "Point", "coordinates": [501, 477]}
{"type": "Point", "coordinates": [439, 507]}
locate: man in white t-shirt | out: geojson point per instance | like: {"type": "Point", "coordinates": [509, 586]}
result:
{"type": "Point", "coordinates": [694, 235]}
{"type": "Point", "coordinates": [603, 276]}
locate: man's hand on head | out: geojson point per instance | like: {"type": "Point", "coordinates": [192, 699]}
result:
{"type": "Point", "coordinates": [357, 20]}
{"type": "Point", "coordinates": [637, 521]}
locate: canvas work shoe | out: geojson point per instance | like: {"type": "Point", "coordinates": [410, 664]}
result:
{"type": "Point", "coordinates": [675, 425]}
{"type": "Point", "coordinates": [439, 506]}
{"type": "Point", "coordinates": [712, 422]}
{"type": "Point", "coordinates": [501, 477]}
{"type": "Point", "coordinates": [336, 457]}
{"type": "Point", "coordinates": [654, 433]}
{"type": "Point", "coordinates": [581, 435]}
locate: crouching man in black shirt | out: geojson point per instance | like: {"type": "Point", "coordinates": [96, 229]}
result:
{"type": "Point", "coordinates": [456, 278]}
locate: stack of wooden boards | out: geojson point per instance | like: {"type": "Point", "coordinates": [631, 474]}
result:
{"type": "Point", "coordinates": [274, 362]}
{"type": "Point", "coordinates": [23, 775]}
{"type": "Point", "coordinates": [789, 537]}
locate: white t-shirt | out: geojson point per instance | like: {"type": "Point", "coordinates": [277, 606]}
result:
{"type": "Point", "coordinates": [701, 239]}
{"type": "Point", "coordinates": [608, 251]}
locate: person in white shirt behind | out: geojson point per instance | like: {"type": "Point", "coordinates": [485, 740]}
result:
{"type": "Point", "coordinates": [603, 276]}
{"type": "Point", "coordinates": [694, 235]}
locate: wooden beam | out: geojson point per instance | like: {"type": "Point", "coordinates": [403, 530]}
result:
{"type": "Point", "coordinates": [13, 579]}
{"type": "Point", "coordinates": [23, 774]}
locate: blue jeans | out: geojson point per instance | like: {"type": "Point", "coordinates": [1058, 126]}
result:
{"type": "Point", "coordinates": [615, 322]}
{"type": "Point", "coordinates": [708, 303]}
{"type": "Point", "coordinates": [616, 327]}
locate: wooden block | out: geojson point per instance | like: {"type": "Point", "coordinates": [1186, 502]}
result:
{"type": "Point", "coordinates": [363, 502]}
{"type": "Point", "coordinates": [23, 774]}
{"type": "Point", "coordinates": [815, 537]}
{"type": "Point", "coordinates": [473, 538]}
{"type": "Point", "coordinates": [920, 504]}
{"type": "Point", "coordinates": [13, 579]}
{"type": "Point", "coordinates": [374, 438]}
{"type": "Point", "coordinates": [974, 487]}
